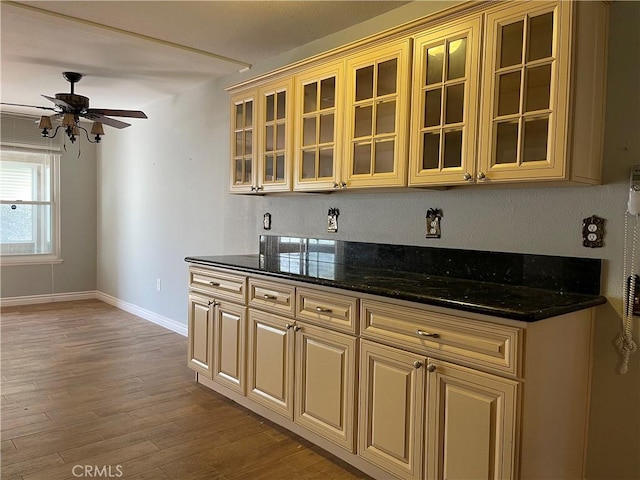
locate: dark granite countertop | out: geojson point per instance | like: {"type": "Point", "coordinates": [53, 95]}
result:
{"type": "Point", "coordinates": [512, 301]}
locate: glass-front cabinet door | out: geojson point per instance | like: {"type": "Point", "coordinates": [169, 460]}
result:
{"type": "Point", "coordinates": [524, 117]}
{"type": "Point", "coordinates": [318, 128]}
{"type": "Point", "coordinates": [377, 118]}
{"type": "Point", "coordinates": [243, 158]}
{"type": "Point", "coordinates": [445, 97]}
{"type": "Point", "coordinates": [276, 123]}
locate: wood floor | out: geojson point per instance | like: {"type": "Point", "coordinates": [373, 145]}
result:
{"type": "Point", "coordinates": [88, 386]}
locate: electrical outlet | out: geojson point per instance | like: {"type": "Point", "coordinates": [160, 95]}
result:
{"type": "Point", "coordinates": [158, 284]}
{"type": "Point", "coordinates": [433, 223]}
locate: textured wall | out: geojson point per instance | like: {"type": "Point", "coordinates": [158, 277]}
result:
{"type": "Point", "coordinates": [163, 195]}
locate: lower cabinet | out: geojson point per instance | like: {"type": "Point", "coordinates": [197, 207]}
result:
{"type": "Point", "coordinates": [305, 373]}
{"type": "Point", "coordinates": [468, 417]}
{"type": "Point", "coordinates": [229, 346]}
{"type": "Point", "coordinates": [200, 347]}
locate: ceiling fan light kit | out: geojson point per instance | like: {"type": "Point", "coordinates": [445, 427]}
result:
{"type": "Point", "coordinates": [71, 107]}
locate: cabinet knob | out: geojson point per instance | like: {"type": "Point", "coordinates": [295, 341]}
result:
{"type": "Point", "coordinates": [417, 364]}
{"type": "Point", "coordinates": [213, 302]}
{"type": "Point", "coordinates": [288, 326]}
{"type": "Point", "coordinates": [431, 367]}
{"type": "Point", "coordinates": [481, 176]}
{"type": "Point", "coordinates": [336, 185]}
{"type": "Point", "coordinates": [467, 177]}
{"type": "Point", "coordinates": [422, 333]}
{"type": "Point", "coordinates": [296, 328]}
{"type": "Point", "coordinates": [253, 189]}
{"type": "Point", "coordinates": [343, 184]}
{"type": "Point", "coordinates": [323, 310]}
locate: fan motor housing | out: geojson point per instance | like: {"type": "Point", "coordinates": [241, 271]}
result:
{"type": "Point", "coordinates": [78, 102]}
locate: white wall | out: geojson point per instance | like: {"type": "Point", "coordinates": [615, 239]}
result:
{"type": "Point", "coordinates": [77, 272]}
{"type": "Point", "coordinates": [163, 195]}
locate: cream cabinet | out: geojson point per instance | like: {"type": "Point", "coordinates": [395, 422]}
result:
{"type": "Point", "coordinates": [262, 138]}
{"type": "Point", "coordinates": [200, 346]}
{"type": "Point", "coordinates": [377, 120]}
{"type": "Point", "coordinates": [229, 333]}
{"type": "Point", "coordinates": [319, 112]}
{"type": "Point", "coordinates": [543, 89]}
{"type": "Point", "coordinates": [445, 96]}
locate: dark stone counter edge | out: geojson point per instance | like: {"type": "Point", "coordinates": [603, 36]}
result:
{"type": "Point", "coordinates": [583, 301]}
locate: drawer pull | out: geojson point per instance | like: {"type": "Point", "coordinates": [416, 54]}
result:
{"type": "Point", "coordinates": [213, 302]}
{"type": "Point", "coordinates": [214, 284]}
{"type": "Point", "coordinates": [270, 297]}
{"type": "Point", "coordinates": [323, 310]}
{"type": "Point", "coordinates": [422, 333]}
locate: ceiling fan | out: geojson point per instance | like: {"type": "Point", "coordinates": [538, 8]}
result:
{"type": "Point", "coordinates": [71, 106]}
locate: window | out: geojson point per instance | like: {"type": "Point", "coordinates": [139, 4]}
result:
{"type": "Point", "coordinates": [28, 204]}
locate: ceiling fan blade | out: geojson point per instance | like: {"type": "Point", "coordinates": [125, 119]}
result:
{"type": "Point", "coordinates": [105, 120]}
{"type": "Point", "coordinates": [57, 101]}
{"type": "Point", "coordinates": [118, 113]}
{"type": "Point", "coordinates": [31, 106]}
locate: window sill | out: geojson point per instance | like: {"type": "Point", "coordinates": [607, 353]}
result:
{"type": "Point", "coordinates": [18, 260]}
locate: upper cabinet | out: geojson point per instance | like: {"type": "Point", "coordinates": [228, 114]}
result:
{"type": "Point", "coordinates": [445, 99]}
{"type": "Point", "coordinates": [511, 92]}
{"type": "Point", "coordinates": [376, 125]}
{"type": "Point", "coordinates": [543, 90]}
{"type": "Point", "coordinates": [318, 128]}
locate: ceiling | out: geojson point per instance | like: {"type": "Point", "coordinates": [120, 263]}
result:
{"type": "Point", "coordinates": [133, 53]}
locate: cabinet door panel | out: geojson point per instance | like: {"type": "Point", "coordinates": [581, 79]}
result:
{"type": "Point", "coordinates": [229, 350]}
{"type": "Point", "coordinates": [325, 383]}
{"type": "Point", "coordinates": [390, 409]}
{"type": "Point", "coordinates": [471, 424]}
{"type": "Point", "coordinates": [243, 155]}
{"type": "Point", "coordinates": [270, 370]}
{"type": "Point", "coordinates": [444, 118]}
{"type": "Point", "coordinates": [200, 348]}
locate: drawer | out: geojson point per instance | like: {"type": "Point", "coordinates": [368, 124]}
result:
{"type": "Point", "coordinates": [218, 284]}
{"type": "Point", "coordinates": [473, 342]}
{"type": "Point", "coordinates": [274, 297]}
{"type": "Point", "coordinates": [329, 309]}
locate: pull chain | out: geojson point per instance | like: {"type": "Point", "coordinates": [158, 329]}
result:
{"type": "Point", "coordinates": [624, 341]}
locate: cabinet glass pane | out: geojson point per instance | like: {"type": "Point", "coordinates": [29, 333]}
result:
{"type": "Point", "coordinates": [509, 93]}
{"type": "Point", "coordinates": [238, 150]}
{"type": "Point", "coordinates": [281, 105]}
{"type": "Point", "coordinates": [387, 77]}
{"type": "Point", "coordinates": [328, 93]}
{"type": "Point", "coordinates": [362, 158]}
{"type": "Point", "coordinates": [535, 140]}
{"type": "Point", "coordinates": [364, 83]}
{"type": "Point", "coordinates": [270, 107]}
{"type": "Point", "coordinates": [453, 149]}
{"type": "Point", "coordinates": [239, 116]}
{"type": "Point", "coordinates": [248, 114]}
{"type": "Point", "coordinates": [507, 143]}
{"type": "Point", "coordinates": [384, 157]}
{"type": "Point", "coordinates": [538, 88]}
{"type": "Point", "coordinates": [268, 138]}
{"type": "Point", "coordinates": [432, 107]}
{"type": "Point", "coordinates": [362, 126]}
{"type": "Point", "coordinates": [326, 128]}
{"type": "Point", "coordinates": [435, 64]}
{"type": "Point", "coordinates": [238, 171]}
{"type": "Point", "coordinates": [309, 131]}
{"type": "Point", "coordinates": [279, 167]}
{"type": "Point", "coordinates": [280, 133]}
{"type": "Point", "coordinates": [540, 37]}
{"type": "Point", "coordinates": [457, 58]}
{"type": "Point", "coordinates": [326, 163]}
{"type": "Point", "coordinates": [511, 44]}
{"type": "Point", "coordinates": [386, 117]}
{"type": "Point", "coordinates": [247, 170]}
{"type": "Point", "coordinates": [455, 104]}
{"type": "Point", "coordinates": [309, 164]}
{"type": "Point", "coordinates": [310, 97]}
{"type": "Point", "coordinates": [248, 142]}
{"type": "Point", "coordinates": [268, 168]}
{"type": "Point", "coordinates": [430, 151]}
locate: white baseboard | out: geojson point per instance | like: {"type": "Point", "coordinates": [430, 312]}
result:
{"type": "Point", "coordinates": [153, 317]}
{"type": "Point", "coordinates": [47, 298]}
